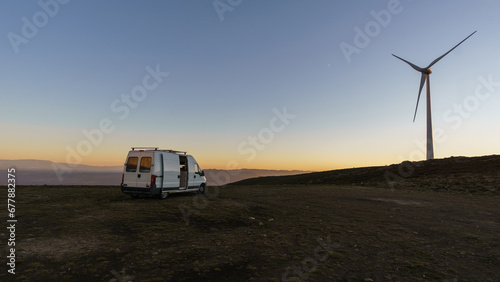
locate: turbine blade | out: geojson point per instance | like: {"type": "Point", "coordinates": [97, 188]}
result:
{"type": "Point", "coordinates": [436, 60]}
{"type": "Point", "coordinates": [417, 68]}
{"type": "Point", "coordinates": [422, 82]}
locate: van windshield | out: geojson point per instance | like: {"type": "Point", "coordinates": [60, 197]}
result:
{"type": "Point", "coordinates": [131, 164]}
{"type": "Point", "coordinates": [145, 164]}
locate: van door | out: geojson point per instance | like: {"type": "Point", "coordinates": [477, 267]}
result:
{"type": "Point", "coordinates": [130, 172]}
{"type": "Point", "coordinates": [171, 172]}
{"type": "Point", "coordinates": [157, 169]}
{"type": "Point", "coordinates": [198, 180]}
{"type": "Point", "coordinates": [193, 178]}
{"type": "Point", "coordinates": [184, 172]}
{"type": "Point", "coordinates": [138, 169]}
{"type": "Point", "coordinates": [144, 172]}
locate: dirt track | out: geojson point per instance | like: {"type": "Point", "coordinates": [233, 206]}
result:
{"type": "Point", "coordinates": [261, 233]}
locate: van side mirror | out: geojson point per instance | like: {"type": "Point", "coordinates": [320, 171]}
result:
{"type": "Point", "coordinates": [202, 173]}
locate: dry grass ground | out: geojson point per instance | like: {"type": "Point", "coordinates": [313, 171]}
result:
{"type": "Point", "coordinates": [260, 233]}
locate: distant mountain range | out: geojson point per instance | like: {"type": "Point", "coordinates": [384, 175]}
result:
{"type": "Point", "coordinates": [41, 172]}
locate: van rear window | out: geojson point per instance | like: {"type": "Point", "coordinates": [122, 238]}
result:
{"type": "Point", "coordinates": [145, 164]}
{"type": "Point", "coordinates": [132, 164]}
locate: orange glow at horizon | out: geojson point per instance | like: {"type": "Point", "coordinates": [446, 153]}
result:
{"type": "Point", "coordinates": [329, 152]}
{"type": "Point", "coordinates": [214, 160]}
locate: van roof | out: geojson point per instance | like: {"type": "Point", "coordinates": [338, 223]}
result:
{"type": "Point", "coordinates": [157, 149]}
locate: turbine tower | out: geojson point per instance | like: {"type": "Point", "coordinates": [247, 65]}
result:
{"type": "Point", "coordinates": [425, 77]}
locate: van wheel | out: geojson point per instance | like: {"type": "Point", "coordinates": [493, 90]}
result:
{"type": "Point", "coordinates": [201, 190]}
{"type": "Point", "coordinates": [163, 195]}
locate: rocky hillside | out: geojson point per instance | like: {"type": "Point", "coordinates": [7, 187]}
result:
{"type": "Point", "coordinates": [464, 174]}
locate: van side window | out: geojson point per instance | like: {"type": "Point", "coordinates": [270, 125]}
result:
{"type": "Point", "coordinates": [131, 164]}
{"type": "Point", "coordinates": [197, 169]}
{"type": "Point", "coordinates": [145, 164]}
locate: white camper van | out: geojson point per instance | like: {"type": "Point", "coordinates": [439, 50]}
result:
{"type": "Point", "coordinates": [153, 171]}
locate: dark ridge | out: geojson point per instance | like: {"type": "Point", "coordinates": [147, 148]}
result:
{"type": "Point", "coordinates": [467, 174]}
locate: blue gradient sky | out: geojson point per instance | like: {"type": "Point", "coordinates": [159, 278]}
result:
{"type": "Point", "coordinates": [226, 75]}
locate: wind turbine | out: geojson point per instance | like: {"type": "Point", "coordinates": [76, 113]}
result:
{"type": "Point", "coordinates": [425, 77]}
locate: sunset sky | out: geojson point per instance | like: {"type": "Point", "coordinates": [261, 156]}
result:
{"type": "Point", "coordinates": [307, 85]}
